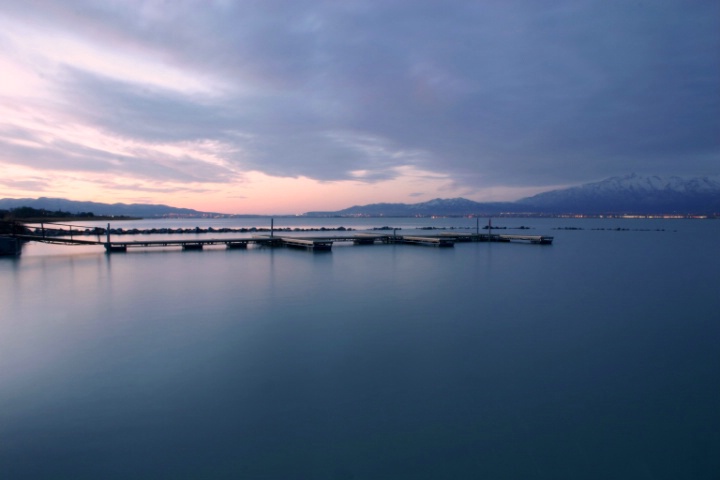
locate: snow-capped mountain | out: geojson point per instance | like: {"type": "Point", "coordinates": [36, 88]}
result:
{"type": "Point", "coordinates": [633, 194]}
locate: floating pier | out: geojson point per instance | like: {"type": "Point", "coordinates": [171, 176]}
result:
{"type": "Point", "coordinates": [429, 241]}
{"type": "Point", "coordinates": [445, 239]}
{"type": "Point", "coordinates": [368, 238]}
{"type": "Point", "coordinates": [297, 242]}
{"type": "Point", "coordinates": [494, 237]}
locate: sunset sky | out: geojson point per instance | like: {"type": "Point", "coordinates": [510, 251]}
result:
{"type": "Point", "coordinates": [293, 106]}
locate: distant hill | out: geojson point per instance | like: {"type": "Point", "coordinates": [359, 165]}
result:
{"type": "Point", "coordinates": [103, 209]}
{"type": "Point", "coordinates": [630, 194]}
{"type": "Point", "coordinates": [439, 206]}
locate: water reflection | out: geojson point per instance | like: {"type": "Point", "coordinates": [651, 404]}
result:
{"type": "Point", "coordinates": [581, 360]}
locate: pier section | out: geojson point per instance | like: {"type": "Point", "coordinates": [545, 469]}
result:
{"type": "Point", "coordinates": [314, 243]}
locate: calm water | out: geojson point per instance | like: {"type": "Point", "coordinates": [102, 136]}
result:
{"type": "Point", "coordinates": [594, 358]}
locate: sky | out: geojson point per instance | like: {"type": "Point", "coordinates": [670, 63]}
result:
{"type": "Point", "coordinates": [284, 107]}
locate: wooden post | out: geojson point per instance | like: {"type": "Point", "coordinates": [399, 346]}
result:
{"type": "Point", "coordinates": [42, 229]}
{"type": "Point", "coordinates": [272, 222]}
{"type": "Point", "coordinates": [489, 229]}
{"type": "Point", "coordinates": [107, 234]}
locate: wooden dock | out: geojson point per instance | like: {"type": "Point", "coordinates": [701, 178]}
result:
{"type": "Point", "coordinates": [318, 244]}
{"type": "Point", "coordinates": [429, 241]}
{"type": "Point", "coordinates": [195, 244]}
{"type": "Point", "coordinates": [445, 239]}
{"type": "Point", "coordinates": [494, 237]}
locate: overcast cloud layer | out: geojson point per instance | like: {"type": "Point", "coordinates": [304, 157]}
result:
{"type": "Point", "coordinates": [485, 94]}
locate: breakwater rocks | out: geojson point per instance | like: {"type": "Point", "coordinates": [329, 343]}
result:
{"type": "Point", "coordinates": [54, 232]}
{"type": "Point", "coordinates": [98, 231]}
{"type": "Point", "coordinates": [614, 229]}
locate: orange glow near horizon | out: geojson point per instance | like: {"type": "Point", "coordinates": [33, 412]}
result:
{"type": "Point", "coordinates": [252, 193]}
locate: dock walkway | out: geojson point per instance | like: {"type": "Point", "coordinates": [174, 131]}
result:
{"type": "Point", "coordinates": [445, 239]}
{"type": "Point", "coordinates": [494, 237]}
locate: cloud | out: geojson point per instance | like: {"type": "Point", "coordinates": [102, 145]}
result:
{"type": "Point", "coordinates": [34, 185]}
{"type": "Point", "coordinates": [488, 94]}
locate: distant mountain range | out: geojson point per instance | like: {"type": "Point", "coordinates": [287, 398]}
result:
{"type": "Point", "coordinates": [438, 206]}
{"type": "Point", "coordinates": [104, 209]}
{"type": "Point", "coordinates": [629, 194]}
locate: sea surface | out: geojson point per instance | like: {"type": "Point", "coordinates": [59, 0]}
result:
{"type": "Point", "coordinates": [597, 357]}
